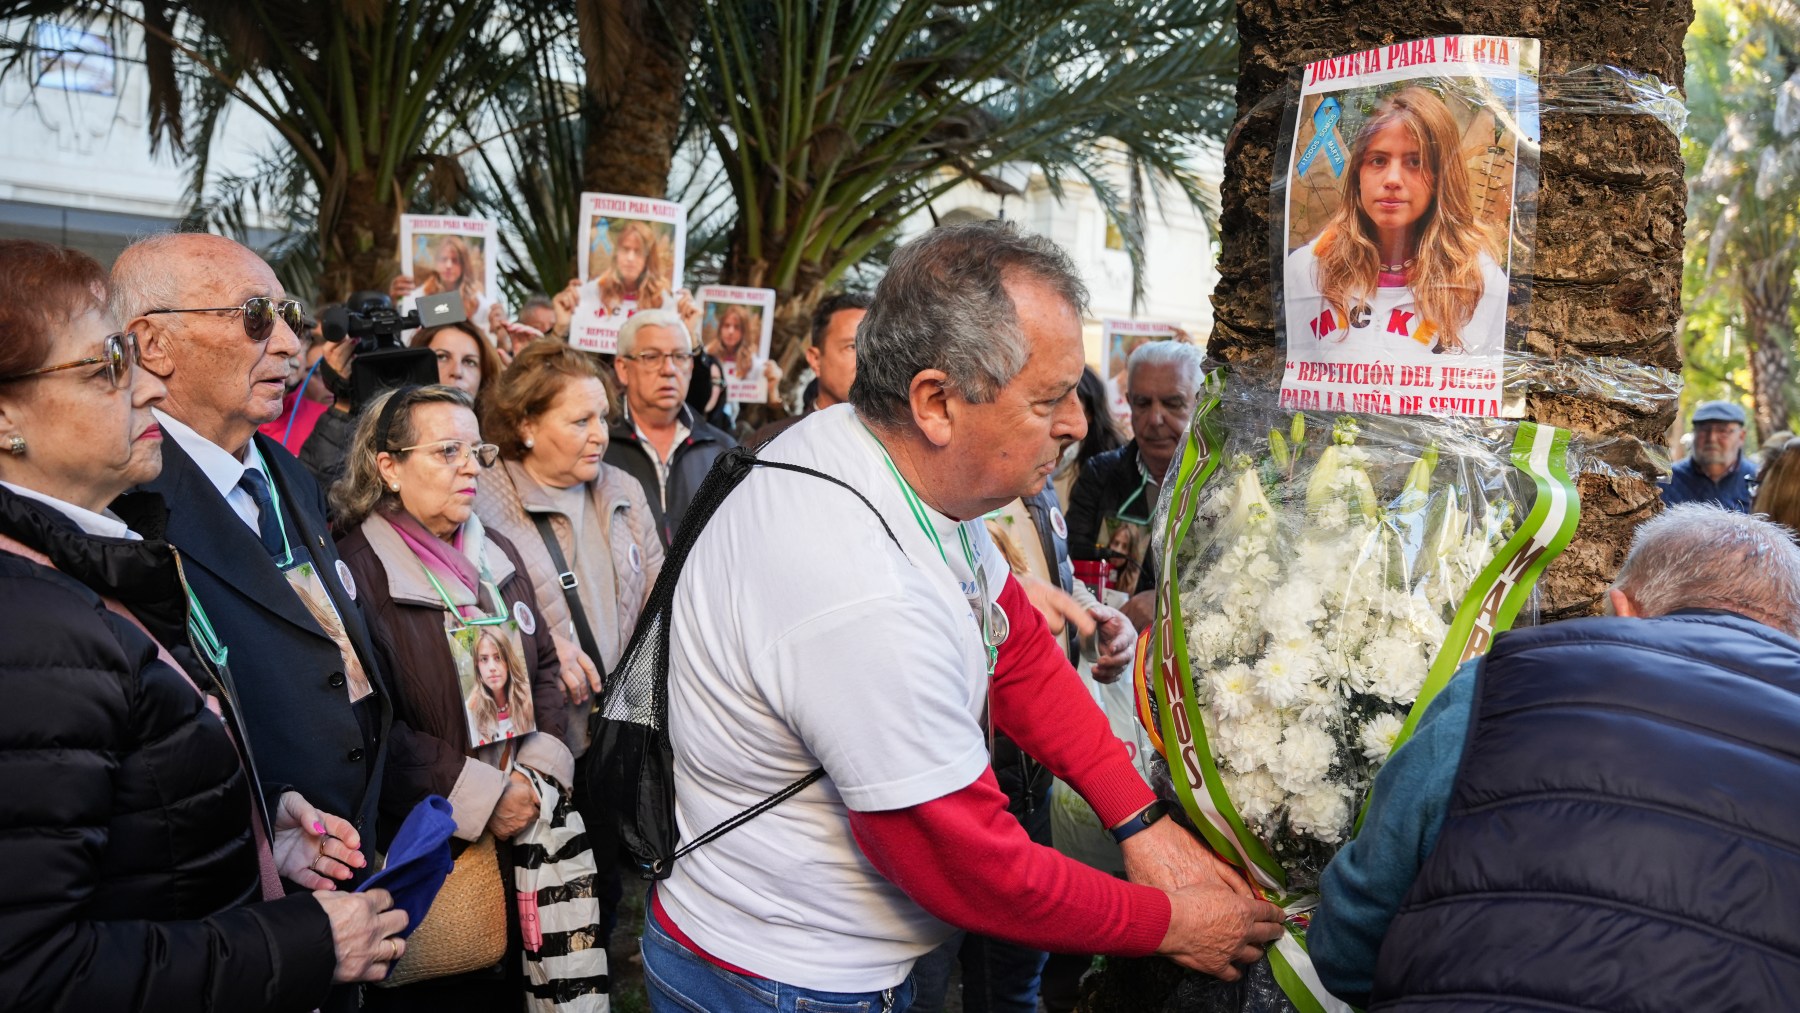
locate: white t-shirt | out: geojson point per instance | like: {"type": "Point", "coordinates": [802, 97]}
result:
{"type": "Point", "coordinates": [802, 638]}
{"type": "Point", "coordinates": [1386, 329]}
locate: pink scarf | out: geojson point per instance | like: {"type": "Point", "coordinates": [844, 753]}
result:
{"type": "Point", "coordinates": [445, 560]}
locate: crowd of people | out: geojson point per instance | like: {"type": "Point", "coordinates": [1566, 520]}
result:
{"type": "Point", "coordinates": [235, 675]}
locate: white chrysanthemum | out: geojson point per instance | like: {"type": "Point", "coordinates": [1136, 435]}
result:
{"type": "Point", "coordinates": [1378, 735]}
{"type": "Point", "coordinates": [1256, 795]}
{"type": "Point", "coordinates": [1323, 814]}
{"type": "Point", "coordinates": [1231, 689]}
{"type": "Point", "coordinates": [1304, 759]}
{"type": "Point", "coordinates": [1293, 605]}
{"type": "Point", "coordinates": [1251, 741]}
{"type": "Point", "coordinates": [1209, 638]}
{"type": "Point", "coordinates": [1262, 569]}
{"type": "Point", "coordinates": [1333, 516]}
{"type": "Point", "coordinates": [1323, 704]}
{"type": "Point", "coordinates": [1396, 669]}
{"type": "Point", "coordinates": [1281, 679]}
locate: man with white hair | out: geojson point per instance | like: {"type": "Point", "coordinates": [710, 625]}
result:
{"type": "Point", "coordinates": [662, 443]}
{"type": "Point", "coordinates": [1113, 497]}
{"type": "Point", "coordinates": [875, 634]}
{"type": "Point", "coordinates": [1598, 814]}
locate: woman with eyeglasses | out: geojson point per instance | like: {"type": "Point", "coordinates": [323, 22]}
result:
{"type": "Point", "coordinates": [138, 840]}
{"type": "Point", "coordinates": [438, 584]}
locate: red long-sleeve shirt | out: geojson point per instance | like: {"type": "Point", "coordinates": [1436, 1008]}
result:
{"type": "Point", "coordinates": [966, 860]}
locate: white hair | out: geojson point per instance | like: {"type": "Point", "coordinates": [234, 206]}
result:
{"type": "Point", "coordinates": [1179, 354]}
{"type": "Point", "coordinates": [1699, 555]}
{"type": "Point", "coordinates": [652, 318]}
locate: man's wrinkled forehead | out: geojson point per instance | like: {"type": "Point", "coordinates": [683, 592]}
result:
{"type": "Point", "coordinates": [226, 275]}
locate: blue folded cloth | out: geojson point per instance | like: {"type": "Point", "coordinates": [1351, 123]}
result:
{"type": "Point", "coordinates": [418, 861]}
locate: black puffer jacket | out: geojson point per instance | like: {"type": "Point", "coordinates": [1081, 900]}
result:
{"type": "Point", "coordinates": [124, 811]}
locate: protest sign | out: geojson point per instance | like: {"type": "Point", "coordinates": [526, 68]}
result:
{"type": "Point", "coordinates": [736, 329]}
{"type": "Point", "coordinates": [1118, 339]}
{"type": "Point", "coordinates": [444, 254]}
{"type": "Point", "coordinates": [630, 255]}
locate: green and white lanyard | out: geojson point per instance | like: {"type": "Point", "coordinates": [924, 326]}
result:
{"type": "Point", "coordinates": [487, 582]}
{"type": "Point", "coordinates": [201, 629]}
{"type": "Point", "coordinates": [286, 562]}
{"type": "Point", "coordinates": [993, 621]}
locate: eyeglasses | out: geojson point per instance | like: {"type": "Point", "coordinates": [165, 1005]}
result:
{"type": "Point", "coordinates": [454, 452]}
{"type": "Point", "coordinates": [259, 315]}
{"type": "Point", "coordinates": [118, 353]}
{"type": "Point", "coordinates": [653, 360]}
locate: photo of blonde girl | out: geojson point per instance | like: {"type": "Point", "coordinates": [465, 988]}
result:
{"type": "Point", "coordinates": [452, 264]}
{"type": "Point", "coordinates": [1403, 268]}
{"type": "Point", "coordinates": [499, 705]}
{"type": "Point", "coordinates": [631, 263]}
{"type": "Point", "coordinates": [731, 335]}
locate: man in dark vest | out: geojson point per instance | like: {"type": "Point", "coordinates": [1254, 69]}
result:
{"type": "Point", "coordinates": [1600, 813]}
{"type": "Point", "coordinates": [249, 522]}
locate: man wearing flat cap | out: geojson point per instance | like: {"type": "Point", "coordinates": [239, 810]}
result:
{"type": "Point", "coordinates": [1717, 471]}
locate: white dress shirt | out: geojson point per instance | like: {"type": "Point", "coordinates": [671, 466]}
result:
{"type": "Point", "coordinates": [220, 467]}
{"type": "Point", "coordinates": [105, 525]}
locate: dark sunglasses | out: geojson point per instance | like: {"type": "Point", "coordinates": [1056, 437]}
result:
{"type": "Point", "coordinates": [118, 353]}
{"type": "Point", "coordinates": [259, 315]}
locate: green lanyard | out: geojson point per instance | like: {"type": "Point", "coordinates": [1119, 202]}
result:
{"type": "Point", "coordinates": [487, 582]}
{"type": "Point", "coordinates": [202, 630]}
{"type": "Point", "coordinates": [923, 519]}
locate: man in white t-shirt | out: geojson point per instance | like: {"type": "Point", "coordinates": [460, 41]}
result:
{"type": "Point", "coordinates": [804, 636]}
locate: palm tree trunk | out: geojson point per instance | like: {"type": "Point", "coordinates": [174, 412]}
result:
{"type": "Point", "coordinates": [1768, 288]}
{"type": "Point", "coordinates": [1611, 207]}
{"type": "Point", "coordinates": [360, 233]}
{"type": "Point", "coordinates": [636, 56]}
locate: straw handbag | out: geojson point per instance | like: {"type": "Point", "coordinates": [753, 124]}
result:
{"type": "Point", "coordinates": [465, 930]}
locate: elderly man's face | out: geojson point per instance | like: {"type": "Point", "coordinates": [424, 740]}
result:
{"type": "Point", "coordinates": [1014, 442]}
{"type": "Point", "coordinates": [655, 382]}
{"type": "Point", "coordinates": [1161, 397]}
{"type": "Point", "coordinates": [1717, 443]}
{"type": "Point", "coordinates": [221, 382]}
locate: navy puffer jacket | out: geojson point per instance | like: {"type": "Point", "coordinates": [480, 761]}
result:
{"type": "Point", "coordinates": [1624, 831]}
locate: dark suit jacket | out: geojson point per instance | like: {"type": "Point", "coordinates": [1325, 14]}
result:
{"type": "Point", "coordinates": [303, 732]}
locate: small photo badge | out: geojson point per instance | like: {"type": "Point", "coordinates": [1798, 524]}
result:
{"type": "Point", "coordinates": [636, 558]}
{"type": "Point", "coordinates": [522, 615]}
{"type": "Point", "coordinates": [1058, 524]}
{"type": "Point", "coordinates": [344, 578]}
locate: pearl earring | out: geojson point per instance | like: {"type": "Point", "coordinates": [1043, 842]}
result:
{"type": "Point", "coordinates": [16, 445]}
{"type": "Point", "coordinates": [529, 443]}
{"type": "Point", "coordinates": [395, 487]}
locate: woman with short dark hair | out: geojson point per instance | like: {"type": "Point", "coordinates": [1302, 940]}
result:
{"type": "Point", "coordinates": [137, 840]}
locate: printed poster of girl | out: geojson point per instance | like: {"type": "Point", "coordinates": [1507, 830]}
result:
{"type": "Point", "coordinates": [445, 255]}
{"type": "Point", "coordinates": [630, 255]}
{"type": "Point", "coordinates": [736, 328]}
{"type": "Point", "coordinates": [496, 685]}
{"type": "Point", "coordinates": [1399, 220]}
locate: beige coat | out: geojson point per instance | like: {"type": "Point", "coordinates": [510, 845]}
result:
{"type": "Point", "coordinates": [619, 521]}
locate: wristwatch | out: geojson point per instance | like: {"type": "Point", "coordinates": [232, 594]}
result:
{"type": "Point", "coordinates": [1155, 811]}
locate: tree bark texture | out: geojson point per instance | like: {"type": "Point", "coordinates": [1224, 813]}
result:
{"type": "Point", "coordinates": [1605, 279]}
{"type": "Point", "coordinates": [360, 241]}
{"type": "Point", "coordinates": [1768, 288]}
{"type": "Point", "coordinates": [636, 56]}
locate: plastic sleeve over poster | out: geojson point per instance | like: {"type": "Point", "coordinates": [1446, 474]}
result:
{"type": "Point", "coordinates": [1408, 209]}
{"type": "Point", "coordinates": [629, 254]}
{"type": "Point", "coordinates": [443, 254]}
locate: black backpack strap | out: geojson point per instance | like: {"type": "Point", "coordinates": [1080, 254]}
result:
{"type": "Point", "coordinates": [566, 577]}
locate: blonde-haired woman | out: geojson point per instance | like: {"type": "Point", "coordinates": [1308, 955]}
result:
{"type": "Point", "coordinates": [640, 269]}
{"type": "Point", "coordinates": [1403, 268]}
{"type": "Point", "coordinates": [500, 703]}
{"type": "Point", "coordinates": [427, 571]}
{"type": "Point", "coordinates": [1778, 488]}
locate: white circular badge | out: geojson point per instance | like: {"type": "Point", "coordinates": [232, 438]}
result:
{"type": "Point", "coordinates": [522, 615]}
{"type": "Point", "coordinates": [636, 558]}
{"type": "Point", "coordinates": [344, 578]}
{"type": "Point", "coordinates": [1058, 525]}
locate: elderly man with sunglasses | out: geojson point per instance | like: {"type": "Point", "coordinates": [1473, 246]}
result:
{"type": "Point", "coordinates": [215, 326]}
{"type": "Point", "coordinates": [1111, 503]}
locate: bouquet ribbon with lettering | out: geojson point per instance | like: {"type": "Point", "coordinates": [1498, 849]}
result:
{"type": "Point", "coordinates": [1319, 589]}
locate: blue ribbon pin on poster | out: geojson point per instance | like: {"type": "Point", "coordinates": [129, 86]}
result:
{"type": "Point", "coordinates": [1325, 120]}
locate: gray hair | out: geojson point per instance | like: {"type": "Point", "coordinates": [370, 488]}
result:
{"type": "Point", "coordinates": [536, 301]}
{"type": "Point", "coordinates": [651, 318]}
{"type": "Point", "coordinates": [1699, 555]}
{"type": "Point", "coordinates": [361, 491]}
{"type": "Point", "coordinates": [142, 279]}
{"type": "Point", "coordinates": [1180, 354]}
{"type": "Point", "coordinates": [943, 305]}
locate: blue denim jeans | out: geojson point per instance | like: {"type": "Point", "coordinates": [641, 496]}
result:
{"type": "Point", "coordinates": [681, 981]}
{"type": "Point", "coordinates": [997, 977]}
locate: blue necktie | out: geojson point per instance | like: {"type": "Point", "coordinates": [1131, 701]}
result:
{"type": "Point", "coordinates": [268, 521]}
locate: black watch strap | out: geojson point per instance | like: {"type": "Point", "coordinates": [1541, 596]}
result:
{"type": "Point", "coordinates": [1155, 811]}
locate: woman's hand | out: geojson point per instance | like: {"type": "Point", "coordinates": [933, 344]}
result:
{"type": "Point", "coordinates": [313, 849]}
{"type": "Point", "coordinates": [363, 927]}
{"type": "Point", "coordinates": [689, 311]}
{"type": "Point", "coordinates": [517, 808]}
{"type": "Point", "coordinates": [564, 303]}
{"type": "Point", "coordinates": [401, 287]}
{"type": "Point", "coordinates": [580, 678]}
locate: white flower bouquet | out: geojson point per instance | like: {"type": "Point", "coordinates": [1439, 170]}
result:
{"type": "Point", "coordinates": [1321, 577]}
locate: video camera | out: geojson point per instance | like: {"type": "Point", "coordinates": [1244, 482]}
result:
{"type": "Point", "coordinates": [382, 359]}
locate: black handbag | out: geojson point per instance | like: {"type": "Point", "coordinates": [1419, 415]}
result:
{"type": "Point", "coordinates": [630, 765]}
